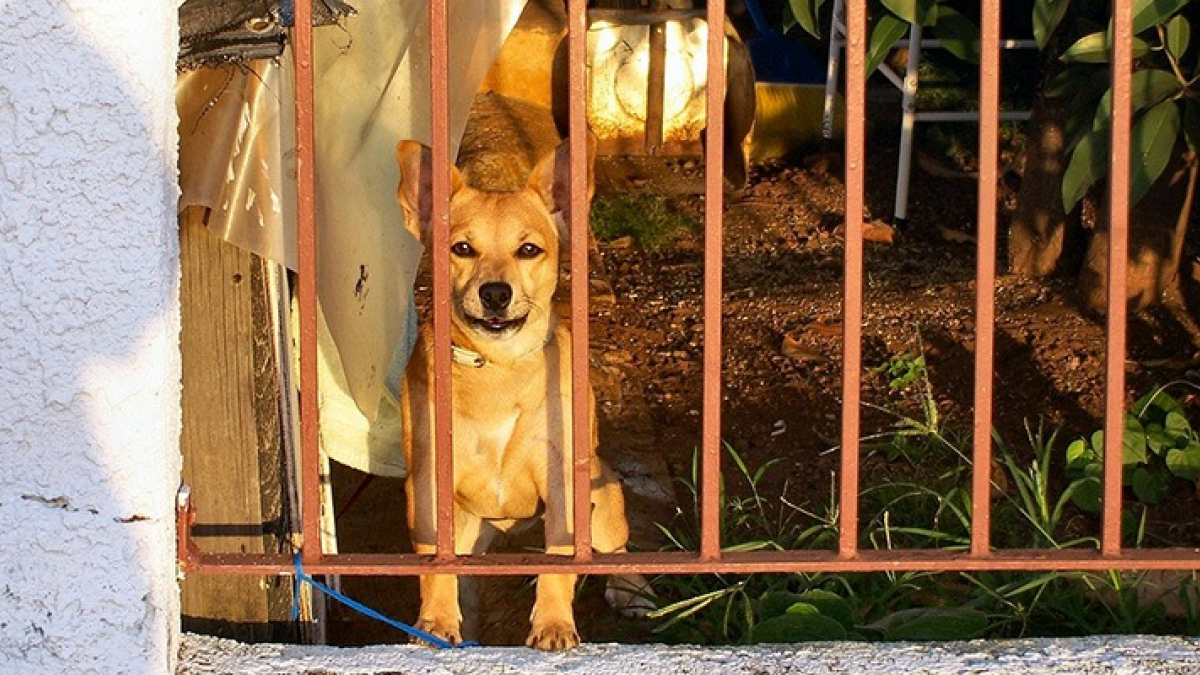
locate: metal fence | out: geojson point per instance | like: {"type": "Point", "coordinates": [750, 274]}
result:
{"type": "Point", "coordinates": [848, 557]}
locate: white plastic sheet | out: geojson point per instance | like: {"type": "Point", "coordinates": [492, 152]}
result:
{"type": "Point", "coordinates": [372, 90]}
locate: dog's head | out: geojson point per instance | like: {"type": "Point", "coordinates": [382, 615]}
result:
{"type": "Point", "coordinates": [504, 248]}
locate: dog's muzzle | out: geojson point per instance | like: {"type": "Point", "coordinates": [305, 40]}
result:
{"type": "Point", "coordinates": [495, 297]}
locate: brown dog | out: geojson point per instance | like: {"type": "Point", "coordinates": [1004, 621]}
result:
{"type": "Point", "coordinates": [511, 395]}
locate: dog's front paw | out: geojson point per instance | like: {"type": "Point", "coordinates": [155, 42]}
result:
{"type": "Point", "coordinates": [449, 630]}
{"type": "Point", "coordinates": [630, 594]}
{"type": "Point", "coordinates": [553, 636]}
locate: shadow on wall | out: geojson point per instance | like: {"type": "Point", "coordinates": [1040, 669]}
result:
{"type": "Point", "coordinates": [89, 393]}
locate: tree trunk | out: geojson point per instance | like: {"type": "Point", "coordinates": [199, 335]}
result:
{"type": "Point", "coordinates": [1039, 228]}
{"type": "Point", "coordinates": [1157, 227]}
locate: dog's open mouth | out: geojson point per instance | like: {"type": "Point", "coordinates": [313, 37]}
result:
{"type": "Point", "coordinates": [497, 326]}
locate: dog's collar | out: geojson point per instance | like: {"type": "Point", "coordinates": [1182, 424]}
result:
{"type": "Point", "coordinates": [466, 357]}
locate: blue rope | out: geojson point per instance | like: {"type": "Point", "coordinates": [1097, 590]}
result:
{"type": "Point", "coordinates": [302, 578]}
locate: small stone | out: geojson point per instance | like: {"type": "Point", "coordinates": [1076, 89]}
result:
{"type": "Point", "coordinates": [792, 349]}
{"type": "Point", "coordinates": [617, 357]}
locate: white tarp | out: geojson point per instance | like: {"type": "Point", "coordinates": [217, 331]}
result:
{"type": "Point", "coordinates": [372, 90]}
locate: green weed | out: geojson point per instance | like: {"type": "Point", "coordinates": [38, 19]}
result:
{"type": "Point", "coordinates": [1158, 444]}
{"type": "Point", "coordinates": [724, 609]}
{"type": "Point", "coordinates": [649, 220]}
{"type": "Point", "coordinates": [755, 608]}
{"type": "Point", "coordinates": [1035, 507]}
{"type": "Point", "coordinates": [1036, 501]}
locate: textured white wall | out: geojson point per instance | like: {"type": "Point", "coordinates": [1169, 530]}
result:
{"type": "Point", "coordinates": [89, 358]}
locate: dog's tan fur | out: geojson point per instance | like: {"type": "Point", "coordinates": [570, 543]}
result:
{"type": "Point", "coordinates": [512, 416]}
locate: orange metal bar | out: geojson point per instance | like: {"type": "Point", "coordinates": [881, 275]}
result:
{"type": "Point", "coordinates": [714, 185]}
{"type": "Point", "coordinates": [581, 438]}
{"type": "Point", "coordinates": [682, 562]}
{"type": "Point", "coordinates": [985, 276]}
{"type": "Point", "coordinates": [856, 117]}
{"type": "Point", "coordinates": [306, 247]}
{"type": "Point", "coordinates": [439, 112]}
{"type": "Point", "coordinates": [1118, 256]}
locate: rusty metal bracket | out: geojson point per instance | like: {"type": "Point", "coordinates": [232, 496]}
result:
{"type": "Point", "coordinates": [185, 517]}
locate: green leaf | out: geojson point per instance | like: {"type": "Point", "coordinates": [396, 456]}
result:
{"type": "Point", "coordinates": [1133, 443]}
{"type": "Point", "coordinates": [1147, 13]}
{"type": "Point", "coordinates": [1088, 494]}
{"type": "Point", "coordinates": [1092, 48]}
{"type": "Point", "coordinates": [807, 14]}
{"type": "Point", "coordinates": [912, 11]}
{"type": "Point", "coordinates": [1151, 486]}
{"type": "Point", "coordinates": [886, 32]}
{"type": "Point", "coordinates": [1177, 423]}
{"type": "Point", "coordinates": [802, 609]}
{"type": "Point", "coordinates": [1179, 34]}
{"type": "Point", "coordinates": [776, 603]}
{"type": "Point", "coordinates": [797, 627]}
{"type": "Point", "coordinates": [831, 605]}
{"type": "Point", "coordinates": [753, 545]}
{"type": "Point", "coordinates": [1185, 463]}
{"type": "Point", "coordinates": [1160, 440]}
{"type": "Point", "coordinates": [762, 471]}
{"type": "Point", "coordinates": [1097, 48]}
{"type": "Point", "coordinates": [1148, 87]}
{"type": "Point", "coordinates": [1140, 48]}
{"type": "Point", "coordinates": [958, 34]}
{"type": "Point", "coordinates": [1079, 456]}
{"type": "Point", "coordinates": [1089, 163]}
{"type": "Point", "coordinates": [787, 19]}
{"type": "Point", "coordinates": [1047, 14]}
{"type": "Point", "coordinates": [931, 623]}
{"type": "Point", "coordinates": [689, 606]}
{"type": "Point", "coordinates": [1152, 142]}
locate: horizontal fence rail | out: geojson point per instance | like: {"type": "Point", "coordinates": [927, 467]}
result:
{"type": "Point", "coordinates": [684, 562]}
{"type": "Point", "coordinates": [979, 554]}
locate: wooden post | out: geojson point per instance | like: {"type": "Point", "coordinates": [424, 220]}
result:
{"type": "Point", "coordinates": [232, 454]}
{"type": "Point", "coordinates": [656, 83]}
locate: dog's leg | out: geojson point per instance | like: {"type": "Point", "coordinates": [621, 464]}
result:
{"type": "Point", "coordinates": [440, 610]}
{"type": "Point", "coordinates": [628, 593]}
{"type": "Point", "coordinates": [553, 619]}
{"type": "Point", "coordinates": [468, 587]}
{"type": "Point", "coordinates": [440, 614]}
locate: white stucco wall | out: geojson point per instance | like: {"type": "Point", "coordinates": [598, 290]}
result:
{"type": "Point", "coordinates": [89, 357]}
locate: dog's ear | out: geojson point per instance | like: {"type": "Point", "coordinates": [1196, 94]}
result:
{"type": "Point", "coordinates": [551, 179]}
{"type": "Point", "coordinates": [416, 186]}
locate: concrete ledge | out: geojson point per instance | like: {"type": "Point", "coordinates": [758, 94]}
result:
{"type": "Point", "coordinates": [1108, 654]}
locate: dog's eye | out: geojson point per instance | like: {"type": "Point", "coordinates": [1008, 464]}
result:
{"type": "Point", "coordinates": [527, 251]}
{"type": "Point", "coordinates": [463, 250]}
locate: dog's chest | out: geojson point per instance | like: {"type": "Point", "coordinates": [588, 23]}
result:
{"type": "Point", "coordinates": [502, 451]}
{"type": "Point", "coordinates": [489, 439]}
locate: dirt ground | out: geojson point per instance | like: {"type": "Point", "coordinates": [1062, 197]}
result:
{"type": "Point", "coordinates": [781, 354]}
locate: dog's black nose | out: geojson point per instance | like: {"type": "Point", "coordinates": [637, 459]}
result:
{"type": "Point", "coordinates": [495, 295]}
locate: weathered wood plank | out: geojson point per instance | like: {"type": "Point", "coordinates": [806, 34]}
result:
{"type": "Point", "coordinates": [231, 431]}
